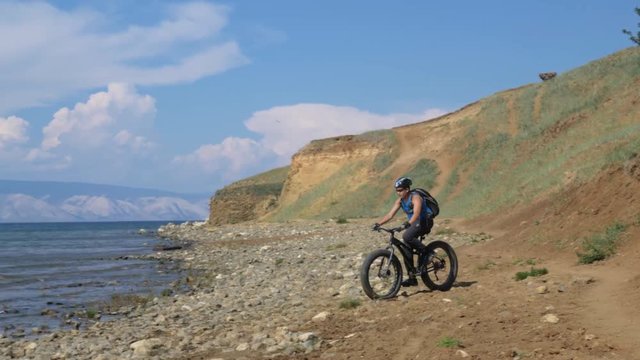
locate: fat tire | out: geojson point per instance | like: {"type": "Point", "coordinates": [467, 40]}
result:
{"type": "Point", "coordinates": [366, 268]}
{"type": "Point", "coordinates": [453, 267]}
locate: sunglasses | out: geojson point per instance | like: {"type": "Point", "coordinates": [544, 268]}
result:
{"type": "Point", "coordinates": [399, 190]}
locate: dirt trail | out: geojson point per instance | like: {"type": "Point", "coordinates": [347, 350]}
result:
{"type": "Point", "coordinates": [490, 315]}
{"type": "Point", "coordinates": [609, 308]}
{"type": "Point", "coordinates": [612, 304]}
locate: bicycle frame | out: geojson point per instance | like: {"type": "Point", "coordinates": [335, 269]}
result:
{"type": "Point", "coordinates": [405, 250]}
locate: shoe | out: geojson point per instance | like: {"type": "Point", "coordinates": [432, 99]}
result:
{"type": "Point", "coordinates": [410, 282]}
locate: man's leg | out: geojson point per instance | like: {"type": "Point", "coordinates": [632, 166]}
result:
{"type": "Point", "coordinates": [416, 230]}
{"type": "Point", "coordinates": [410, 238]}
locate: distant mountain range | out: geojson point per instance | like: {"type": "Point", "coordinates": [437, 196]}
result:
{"type": "Point", "coordinates": [49, 201]}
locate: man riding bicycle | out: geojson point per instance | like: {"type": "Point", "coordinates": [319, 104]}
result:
{"type": "Point", "coordinates": [420, 222]}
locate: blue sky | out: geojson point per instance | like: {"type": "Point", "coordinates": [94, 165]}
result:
{"type": "Point", "coordinates": [190, 96]}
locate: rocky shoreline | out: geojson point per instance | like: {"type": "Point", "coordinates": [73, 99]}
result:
{"type": "Point", "coordinates": [256, 290]}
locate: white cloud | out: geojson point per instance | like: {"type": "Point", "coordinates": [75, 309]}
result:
{"type": "Point", "coordinates": [49, 52]}
{"type": "Point", "coordinates": [136, 143]}
{"type": "Point", "coordinates": [285, 129]}
{"type": "Point", "coordinates": [100, 120]}
{"type": "Point", "coordinates": [233, 155]}
{"type": "Point", "coordinates": [12, 130]}
{"type": "Point", "coordinates": [41, 160]}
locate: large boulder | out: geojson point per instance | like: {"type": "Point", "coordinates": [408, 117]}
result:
{"type": "Point", "coordinates": [547, 75]}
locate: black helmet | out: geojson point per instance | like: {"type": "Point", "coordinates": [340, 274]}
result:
{"type": "Point", "coordinates": [403, 182]}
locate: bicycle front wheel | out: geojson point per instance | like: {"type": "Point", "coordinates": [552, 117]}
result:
{"type": "Point", "coordinates": [381, 275]}
{"type": "Point", "coordinates": [441, 270]}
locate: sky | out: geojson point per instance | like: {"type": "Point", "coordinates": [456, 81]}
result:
{"type": "Point", "coordinates": [190, 96]}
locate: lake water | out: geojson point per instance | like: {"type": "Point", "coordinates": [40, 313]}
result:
{"type": "Point", "coordinates": [64, 266]}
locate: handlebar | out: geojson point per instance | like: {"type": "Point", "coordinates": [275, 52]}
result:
{"type": "Point", "coordinates": [390, 230]}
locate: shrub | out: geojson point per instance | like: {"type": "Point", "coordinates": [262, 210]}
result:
{"type": "Point", "coordinates": [521, 275]}
{"type": "Point", "coordinates": [601, 246]}
{"type": "Point", "coordinates": [341, 220]}
{"type": "Point", "coordinates": [634, 38]}
{"type": "Point", "coordinates": [349, 303]}
{"type": "Point", "coordinates": [279, 261]}
{"type": "Point", "coordinates": [91, 313]}
{"type": "Point", "coordinates": [449, 342]}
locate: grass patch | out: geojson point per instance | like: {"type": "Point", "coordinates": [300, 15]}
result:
{"type": "Point", "coordinates": [521, 275]}
{"type": "Point", "coordinates": [350, 303]}
{"type": "Point", "coordinates": [336, 246]}
{"type": "Point", "coordinates": [119, 301]}
{"type": "Point", "coordinates": [383, 161]}
{"type": "Point", "coordinates": [445, 231]}
{"type": "Point", "coordinates": [341, 220]}
{"type": "Point", "coordinates": [530, 261]}
{"type": "Point", "coordinates": [601, 246]}
{"type": "Point", "coordinates": [92, 313]}
{"type": "Point", "coordinates": [424, 173]}
{"type": "Point", "coordinates": [449, 342]}
{"type": "Point", "coordinates": [365, 200]}
{"type": "Point", "coordinates": [279, 261]}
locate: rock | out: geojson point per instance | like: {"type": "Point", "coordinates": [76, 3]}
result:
{"type": "Point", "coordinates": [48, 312]}
{"type": "Point", "coordinates": [306, 336]}
{"type": "Point", "coordinates": [550, 318]}
{"type": "Point", "coordinates": [30, 347]}
{"type": "Point", "coordinates": [145, 348]}
{"type": "Point", "coordinates": [242, 347]}
{"type": "Point", "coordinates": [321, 316]}
{"type": "Point", "coordinates": [542, 289]}
{"type": "Point", "coordinates": [582, 280]}
{"type": "Point", "coordinates": [462, 353]}
{"type": "Point", "coordinates": [166, 247]}
{"type": "Point", "coordinates": [547, 75]}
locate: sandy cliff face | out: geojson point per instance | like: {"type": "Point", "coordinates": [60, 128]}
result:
{"type": "Point", "coordinates": [247, 199]}
{"type": "Point", "coordinates": [322, 159]}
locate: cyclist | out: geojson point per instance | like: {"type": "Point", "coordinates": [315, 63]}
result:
{"type": "Point", "coordinates": [420, 222]}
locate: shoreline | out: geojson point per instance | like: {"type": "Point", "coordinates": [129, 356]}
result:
{"type": "Point", "coordinates": [51, 313]}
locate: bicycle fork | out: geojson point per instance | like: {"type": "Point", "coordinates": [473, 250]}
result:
{"type": "Point", "coordinates": [385, 268]}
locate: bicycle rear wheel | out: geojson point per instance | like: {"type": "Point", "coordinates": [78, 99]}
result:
{"type": "Point", "coordinates": [441, 270]}
{"type": "Point", "coordinates": [381, 274]}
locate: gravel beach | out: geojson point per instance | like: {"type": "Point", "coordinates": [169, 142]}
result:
{"type": "Point", "coordinates": [256, 290]}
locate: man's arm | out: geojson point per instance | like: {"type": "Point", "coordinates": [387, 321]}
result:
{"type": "Point", "coordinates": [391, 214]}
{"type": "Point", "coordinates": [417, 208]}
